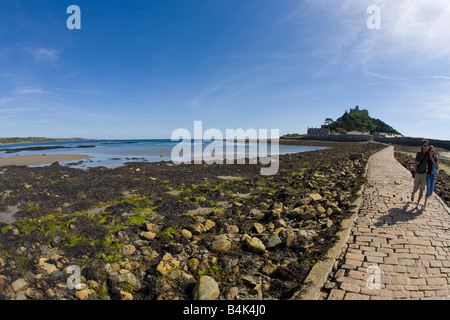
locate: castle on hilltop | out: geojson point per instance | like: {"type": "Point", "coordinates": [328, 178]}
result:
{"type": "Point", "coordinates": [357, 110]}
{"type": "Point", "coordinates": [324, 131]}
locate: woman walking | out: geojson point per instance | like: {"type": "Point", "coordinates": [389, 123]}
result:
{"type": "Point", "coordinates": [432, 172]}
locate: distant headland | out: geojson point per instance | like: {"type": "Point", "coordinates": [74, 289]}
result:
{"type": "Point", "coordinates": [37, 139]}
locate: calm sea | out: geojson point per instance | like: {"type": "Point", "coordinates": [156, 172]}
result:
{"type": "Point", "coordinates": [445, 154]}
{"type": "Point", "coordinates": [115, 153]}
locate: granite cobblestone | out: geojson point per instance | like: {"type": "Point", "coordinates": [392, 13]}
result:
{"type": "Point", "coordinates": [394, 250]}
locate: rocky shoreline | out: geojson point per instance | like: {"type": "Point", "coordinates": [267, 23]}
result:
{"type": "Point", "coordinates": [159, 231]}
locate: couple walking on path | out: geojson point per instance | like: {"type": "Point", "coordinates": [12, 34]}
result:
{"type": "Point", "coordinates": [425, 171]}
{"type": "Point", "coordinates": [391, 250]}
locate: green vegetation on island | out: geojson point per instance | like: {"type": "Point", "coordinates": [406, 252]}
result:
{"type": "Point", "coordinates": [358, 120]}
{"type": "Point", "coordinates": [354, 120]}
{"type": "Point", "coordinates": [294, 135]}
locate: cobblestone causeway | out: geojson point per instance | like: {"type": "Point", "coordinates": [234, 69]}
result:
{"type": "Point", "coordinates": [394, 250]}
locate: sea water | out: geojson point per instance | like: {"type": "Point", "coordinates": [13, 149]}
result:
{"type": "Point", "coordinates": [115, 153]}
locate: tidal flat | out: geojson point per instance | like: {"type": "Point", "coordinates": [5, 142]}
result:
{"type": "Point", "coordinates": [152, 231]}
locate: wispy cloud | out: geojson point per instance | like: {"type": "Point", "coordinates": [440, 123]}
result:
{"type": "Point", "coordinates": [437, 108]}
{"type": "Point", "coordinates": [4, 101]}
{"type": "Point", "coordinates": [438, 77]}
{"type": "Point", "coordinates": [27, 91]}
{"type": "Point", "coordinates": [43, 54]}
{"type": "Point", "coordinates": [15, 110]}
{"type": "Point", "coordinates": [412, 31]}
{"type": "Point", "coordinates": [84, 92]}
{"type": "Point", "coordinates": [233, 92]}
{"type": "Point", "coordinates": [383, 76]}
{"type": "Point", "coordinates": [39, 91]}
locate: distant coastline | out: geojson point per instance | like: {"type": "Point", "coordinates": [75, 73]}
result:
{"type": "Point", "coordinates": [114, 153]}
{"type": "Point", "coordinates": [20, 140]}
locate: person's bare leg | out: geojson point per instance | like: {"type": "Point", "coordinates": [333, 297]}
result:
{"type": "Point", "coordinates": [413, 192]}
{"type": "Point", "coordinates": [420, 198]}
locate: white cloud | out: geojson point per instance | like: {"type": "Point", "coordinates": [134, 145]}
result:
{"type": "Point", "coordinates": [15, 110]}
{"type": "Point", "coordinates": [43, 54]}
{"type": "Point", "coordinates": [383, 76]}
{"type": "Point", "coordinates": [86, 92]}
{"type": "Point", "coordinates": [412, 31]}
{"type": "Point", "coordinates": [26, 91]}
{"type": "Point", "coordinates": [438, 77]}
{"type": "Point", "coordinates": [4, 101]}
{"type": "Point", "coordinates": [437, 108]}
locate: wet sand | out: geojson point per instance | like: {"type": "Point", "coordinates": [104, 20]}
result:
{"type": "Point", "coordinates": [33, 160]}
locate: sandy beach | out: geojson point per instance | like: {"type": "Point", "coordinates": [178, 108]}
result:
{"type": "Point", "coordinates": [33, 160]}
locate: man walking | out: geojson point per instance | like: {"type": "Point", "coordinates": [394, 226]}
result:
{"type": "Point", "coordinates": [420, 168]}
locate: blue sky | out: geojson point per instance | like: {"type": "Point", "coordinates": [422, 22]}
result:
{"type": "Point", "coordinates": [141, 69]}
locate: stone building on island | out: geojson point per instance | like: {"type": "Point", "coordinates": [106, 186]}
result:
{"type": "Point", "coordinates": [358, 110]}
{"type": "Point", "coordinates": [318, 132]}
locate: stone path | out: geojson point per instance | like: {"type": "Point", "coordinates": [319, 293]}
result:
{"type": "Point", "coordinates": [394, 251]}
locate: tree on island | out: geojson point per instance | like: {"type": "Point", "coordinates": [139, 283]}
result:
{"type": "Point", "coordinates": [328, 121]}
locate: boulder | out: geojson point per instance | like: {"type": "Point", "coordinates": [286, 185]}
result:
{"type": "Point", "coordinates": [232, 294]}
{"type": "Point", "coordinates": [355, 156]}
{"type": "Point", "coordinates": [321, 210]}
{"type": "Point", "coordinates": [186, 233]}
{"type": "Point", "coordinates": [83, 294]}
{"type": "Point", "coordinates": [175, 279]}
{"type": "Point", "coordinates": [305, 201]}
{"type": "Point", "coordinates": [206, 289]}
{"type": "Point", "coordinates": [309, 214]}
{"type": "Point", "coordinates": [167, 264]}
{"type": "Point", "coordinates": [19, 285]}
{"type": "Point", "coordinates": [256, 245]}
{"type": "Point", "coordinates": [249, 281]}
{"type": "Point", "coordinates": [295, 213]}
{"type": "Point", "coordinates": [221, 245]}
{"type": "Point", "coordinates": [128, 249]}
{"type": "Point", "coordinates": [193, 264]}
{"type": "Point", "coordinates": [148, 226]}
{"type": "Point", "coordinates": [273, 241]}
{"type": "Point", "coordinates": [315, 196]}
{"type": "Point", "coordinates": [126, 295]}
{"type": "Point", "coordinates": [209, 224]}
{"type": "Point", "coordinates": [329, 211]}
{"type": "Point", "coordinates": [259, 228]}
{"type": "Point", "coordinates": [268, 269]}
{"type": "Point", "coordinates": [128, 278]}
{"type": "Point", "coordinates": [290, 238]}
{"type": "Point", "coordinates": [308, 234]}
{"type": "Point", "coordinates": [45, 267]}
{"type": "Point", "coordinates": [148, 235]}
